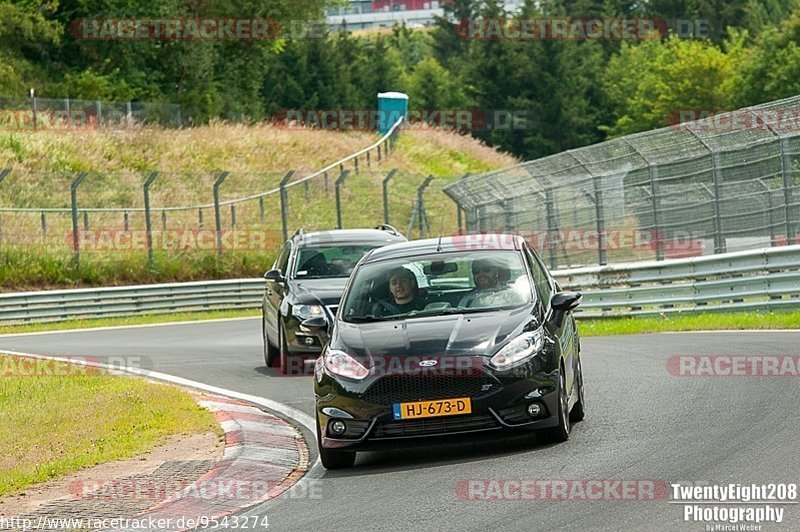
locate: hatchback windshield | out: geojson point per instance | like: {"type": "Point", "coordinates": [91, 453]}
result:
{"type": "Point", "coordinates": [438, 284]}
{"type": "Point", "coordinates": [331, 261]}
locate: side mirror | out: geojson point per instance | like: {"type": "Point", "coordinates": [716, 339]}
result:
{"type": "Point", "coordinates": [275, 275]}
{"type": "Point", "coordinates": [314, 325]}
{"type": "Point", "coordinates": [561, 303]}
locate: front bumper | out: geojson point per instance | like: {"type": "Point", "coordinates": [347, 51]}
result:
{"type": "Point", "coordinates": [371, 425]}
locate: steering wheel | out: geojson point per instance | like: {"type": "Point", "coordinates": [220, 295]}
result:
{"type": "Point", "coordinates": [383, 305]}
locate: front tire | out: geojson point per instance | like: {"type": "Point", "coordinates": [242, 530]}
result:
{"type": "Point", "coordinates": [578, 412]}
{"type": "Point", "coordinates": [271, 353]}
{"type": "Point", "coordinates": [559, 433]}
{"type": "Point", "coordinates": [334, 459]}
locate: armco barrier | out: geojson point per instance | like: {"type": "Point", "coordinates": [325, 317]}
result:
{"type": "Point", "coordinates": [749, 280]}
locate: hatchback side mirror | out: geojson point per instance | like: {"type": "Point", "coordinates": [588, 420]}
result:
{"type": "Point", "coordinates": [561, 303]}
{"type": "Point", "coordinates": [275, 275]}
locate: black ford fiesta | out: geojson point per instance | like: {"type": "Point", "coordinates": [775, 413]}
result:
{"type": "Point", "coordinates": [447, 336]}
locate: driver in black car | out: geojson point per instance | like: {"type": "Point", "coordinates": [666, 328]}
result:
{"type": "Point", "coordinates": [404, 294]}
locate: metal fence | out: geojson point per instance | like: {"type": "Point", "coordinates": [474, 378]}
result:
{"type": "Point", "coordinates": [90, 212]}
{"type": "Point", "coordinates": [724, 183]}
{"type": "Point", "coordinates": [68, 114]}
{"type": "Point", "coordinates": [765, 279]}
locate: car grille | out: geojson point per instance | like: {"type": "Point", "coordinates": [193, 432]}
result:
{"type": "Point", "coordinates": [433, 426]}
{"type": "Point", "coordinates": [401, 388]}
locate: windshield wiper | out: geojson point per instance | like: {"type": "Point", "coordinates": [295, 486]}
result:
{"type": "Point", "coordinates": [367, 318]}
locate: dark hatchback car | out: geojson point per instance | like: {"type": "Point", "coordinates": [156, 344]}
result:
{"type": "Point", "coordinates": [306, 282]}
{"type": "Point", "coordinates": [447, 336]}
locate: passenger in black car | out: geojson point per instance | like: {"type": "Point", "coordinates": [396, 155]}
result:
{"type": "Point", "coordinates": [404, 294]}
{"type": "Point", "coordinates": [491, 285]}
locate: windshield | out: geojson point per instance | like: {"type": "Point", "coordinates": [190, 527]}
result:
{"type": "Point", "coordinates": [451, 283]}
{"type": "Point", "coordinates": [329, 261]}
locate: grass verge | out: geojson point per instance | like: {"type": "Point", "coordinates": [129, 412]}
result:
{"type": "Point", "coordinates": [688, 322]}
{"type": "Point", "coordinates": [132, 320]}
{"type": "Point", "coordinates": [60, 423]}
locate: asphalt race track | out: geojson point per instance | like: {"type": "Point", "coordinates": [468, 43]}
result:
{"type": "Point", "coordinates": [643, 423]}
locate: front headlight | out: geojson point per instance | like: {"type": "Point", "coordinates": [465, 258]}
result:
{"type": "Point", "coordinates": [519, 350]}
{"type": "Point", "coordinates": [342, 364]}
{"type": "Point", "coordinates": [305, 312]}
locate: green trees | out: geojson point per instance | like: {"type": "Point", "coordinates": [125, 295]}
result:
{"type": "Point", "coordinates": [565, 93]}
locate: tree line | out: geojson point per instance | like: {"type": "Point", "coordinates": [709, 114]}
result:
{"type": "Point", "coordinates": [572, 92]}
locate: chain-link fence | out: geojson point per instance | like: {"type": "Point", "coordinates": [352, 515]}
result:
{"type": "Point", "coordinates": [724, 183]}
{"type": "Point", "coordinates": [68, 114]}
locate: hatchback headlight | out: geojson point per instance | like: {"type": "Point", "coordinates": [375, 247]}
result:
{"type": "Point", "coordinates": [305, 312]}
{"type": "Point", "coordinates": [519, 350]}
{"type": "Point", "coordinates": [342, 364]}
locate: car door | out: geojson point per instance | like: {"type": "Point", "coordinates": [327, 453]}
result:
{"type": "Point", "coordinates": [545, 288]}
{"type": "Point", "coordinates": [274, 293]}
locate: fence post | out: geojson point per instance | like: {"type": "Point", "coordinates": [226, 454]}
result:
{"type": "Point", "coordinates": [551, 227]}
{"type": "Point", "coordinates": [217, 215]}
{"type": "Point", "coordinates": [33, 106]}
{"type": "Point", "coordinates": [422, 218]}
{"type": "Point", "coordinates": [66, 110]}
{"type": "Point", "coordinates": [126, 221]}
{"type": "Point", "coordinates": [306, 191]}
{"type": "Point", "coordinates": [786, 171]}
{"type": "Point", "coordinates": [379, 153]}
{"type": "Point", "coordinates": [459, 213]}
{"type": "Point", "coordinates": [148, 222]}
{"type": "Point", "coordinates": [233, 216]}
{"type": "Point", "coordinates": [163, 220]}
{"type": "Point", "coordinates": [3, 175]}
{"type": "Point", "coordinates": [719, 238]}
{"type": "Point", "coordinates": [99, 108]}
{"type": "Point", "coordinates": [200, 218]}
{"type": "Point", "coordinates": [653, 171]}
{"type": "Point", "coordinates": [85, 221]}
{"type": "Point", "coordinates": [73, 190]}
{"type": "Point", "coordinates": [598, 209]}
{"type": "Point", "coordinates": [261, 209]}
{"type": "Point", "coordinates": [369, 163]}
{"type": "Point", "coordinates": [385, 186]}
{"type": "Point", "coordinates": [327, 188]}
{"type": "Point", "coordinates": [44, 226]}
{"type": "Point", "coordinates": [285, 205]}
{"type": "Point", "coordinates": [772, 241]}
{"type": "Point", "coordinates": [337, 185]}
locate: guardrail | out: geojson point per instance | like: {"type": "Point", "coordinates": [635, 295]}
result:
{"type": "Point", "coordinates": [766, 278]}
{"type": "Point", "coordinates": [749, 280]}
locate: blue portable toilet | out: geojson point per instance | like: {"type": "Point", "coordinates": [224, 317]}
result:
{"type": "Point", "coordinates": [391, 106]}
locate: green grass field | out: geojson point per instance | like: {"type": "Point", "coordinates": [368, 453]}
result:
{"type": "Point", "coordinates": [61, 422]}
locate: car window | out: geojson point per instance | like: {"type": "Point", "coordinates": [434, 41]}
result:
{"type": "Point", "coordinates": [316, 262]}
{"type": "Point", "coordinates": [476, 281]}
{"type": "Point", "coordinates": [540, 278]}
{"type": "Point", "coordinates": [282, 262]}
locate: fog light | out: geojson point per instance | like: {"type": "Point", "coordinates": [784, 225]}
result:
{"type": "Point", "coordinates": [309, 340]}
{"type": "Point", "coordinates": [338, 427]}
{"type": "Point", "coordinates": [534, 410]}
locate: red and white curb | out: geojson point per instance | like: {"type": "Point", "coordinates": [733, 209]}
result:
{"type": "Point", "coordinates": [264, 456]}
{"type": "Point", "coordinates": [261, 449]}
